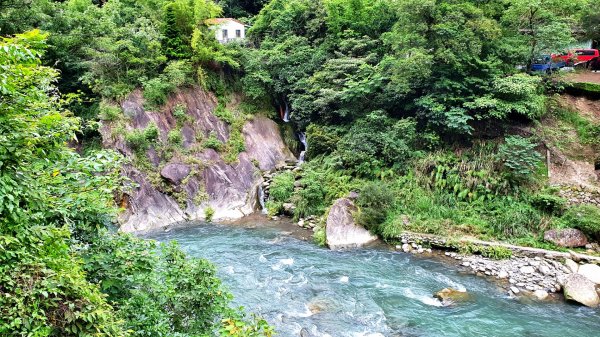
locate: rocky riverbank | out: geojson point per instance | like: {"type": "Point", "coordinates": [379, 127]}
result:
{"type": "Point", "coordinates": [536, 273]}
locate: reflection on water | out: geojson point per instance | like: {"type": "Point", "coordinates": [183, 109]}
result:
{"type": "Point", "coordinates": [296, 285]}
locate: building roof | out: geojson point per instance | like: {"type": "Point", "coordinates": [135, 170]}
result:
{"type": "Point", "coordinates": [218, 21]}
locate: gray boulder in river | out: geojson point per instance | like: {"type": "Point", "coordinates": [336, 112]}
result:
{"type": "Point", "coordinates": [341, 230]}
{"type": "Point", "coordinates": [579, 289]}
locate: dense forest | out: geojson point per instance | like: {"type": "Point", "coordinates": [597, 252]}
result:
{"type": "Point", "coordinates": [419, 105]}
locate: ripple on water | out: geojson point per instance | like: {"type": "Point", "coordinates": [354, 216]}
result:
{"type": "Point", "coordinates": [296, 285]}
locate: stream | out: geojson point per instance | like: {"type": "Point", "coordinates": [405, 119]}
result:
{"type": "Point", "coordinates": [295, 284]}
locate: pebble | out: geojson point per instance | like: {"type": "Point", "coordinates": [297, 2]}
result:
{"type": "Point", "coordinates": [515, 290]}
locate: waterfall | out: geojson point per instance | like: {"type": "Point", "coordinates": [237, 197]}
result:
{"type": "Point", "coordinates": [286, 115]}
{"type": "Point", "coordinates": [261, 199]}
{"type": "Point", "coordinates": [302, 139]}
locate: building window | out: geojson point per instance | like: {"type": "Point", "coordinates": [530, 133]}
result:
{"type": "Point", "coordinates": [224, 34]}
{"type": "Point", "coordinates": [238, 33]}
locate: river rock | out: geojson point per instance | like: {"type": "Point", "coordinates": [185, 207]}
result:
{"type": "Point", "coordinates": [566, 237]}
{"type": "Point", "coordinates": [571, 265]}
{"type": "Point", "coordinates": [540, 294]}
{"type": "Point", "coordinates": [342, 231]}
{"type": "Point", "coordinates": [450, 296]}
{"type": "Point", "coordinates": [579, 289]}
{"type": "Point", "coordinates": [591, 272]}
{"type": "Point", "coordinates": [175, 173]}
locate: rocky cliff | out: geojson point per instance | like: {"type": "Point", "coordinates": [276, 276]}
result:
{"type": "Point", "coordinates": [197, 165]}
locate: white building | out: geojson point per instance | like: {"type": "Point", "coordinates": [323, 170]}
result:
{"type": "Point", "coordinates": [227, 29]}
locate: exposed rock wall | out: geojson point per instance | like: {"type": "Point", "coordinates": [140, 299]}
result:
{"type": "Point", "coordinates": [180, 185]}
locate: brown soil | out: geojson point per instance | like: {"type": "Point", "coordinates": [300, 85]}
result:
{"type": "Point", "coordinates": [586, 76]}
{"type": "Point", "coordinates": [585, 106]}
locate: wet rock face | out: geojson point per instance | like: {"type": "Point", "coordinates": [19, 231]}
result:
{"type": "Point", "coordinates": [201, 178]}
{"type": "Point", "coordinates": [579, 289]}
{"type": "Point", "coordinates": [175, 173]}
{"type": "Point", "coordinates": [341, 231]}
{"type": "Point", "coordinates": [567, 237]}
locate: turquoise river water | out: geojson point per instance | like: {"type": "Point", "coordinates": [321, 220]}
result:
{"type": "Point", "coordinates": [368, 292]}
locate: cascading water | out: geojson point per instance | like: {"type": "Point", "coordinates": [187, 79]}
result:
{"type": "Point", "coordinates": [286, 114]}
{"type": "Point", "coordinates": [261, 199]}
{"type": "Point", "coordinates": [302, 139]}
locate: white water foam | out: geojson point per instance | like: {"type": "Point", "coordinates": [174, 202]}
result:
{"type": "Point", "coordinates": [282, 263]}
{"type": "Point", "coordinates": [425, 299]}
{"type": "Point", "coordinates": [344, 279]}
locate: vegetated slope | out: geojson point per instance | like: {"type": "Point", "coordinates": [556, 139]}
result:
{"type": "Point", "coordinates": [570, 131]}
{"type": "Point", "coordinates": [192, 158]}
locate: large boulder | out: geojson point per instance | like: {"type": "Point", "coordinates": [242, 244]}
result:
{"type": "Point", "coordinates": [579, 289]}
{"type": "Point", "coordinates": [566, 237]}
{"type": "Point", "coordinates": [591, 272]}
{"type": "Point", "coordinates": [450, 296]}
{"type": "Point", "coordinates": [175, 172]}
{"type": "Point", "coordinates": [341, 231]}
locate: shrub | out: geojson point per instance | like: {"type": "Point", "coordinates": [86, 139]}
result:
{"type": "Point", "coordinates": [139, 139]}
{"type": "Point", "coordinates": [374, 202]}
{"type": "Point", "coordinates": [492, 252]}
{"type": "Point", "coordinates": [274, 207]}
{"type": "Point", "coordinates": [175, 137]}
{"type": "Point", "coordinates": [511, 219]}
{"type": "Point", "coordinates": [585, 218]}
{"type": "Point", "coordinates": [319, 237]}
{"type": "Point", "coordinates": [377, 143]}
{"type": "Point", "coordinates": [322, 140]}
{"type": "Point", "coordinates": [179, 112]}
{"type": "Point", "coordinates": [224, 114]}
{"type": "Point", "coordinates": [282, 187]}
{"type": "Point", "coordinates": [109, 111]}
{"type": "Point", "coordinates": [212, 142]}
{"type": "Point", "coordinates": [519, 157]}
{"type": "Point", "coordinates": [209, 212]}
{"type": "Point", "coordinates": [548, 203]}
{"type": "Point", "coordinates": [156, 92]}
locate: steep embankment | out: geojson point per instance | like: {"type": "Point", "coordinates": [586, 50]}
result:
{"type": "Point", "coordinates": [185, 172]}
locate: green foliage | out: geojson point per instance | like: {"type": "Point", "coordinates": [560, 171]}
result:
{"type": "Point", "coordinates": [374, 201]}
{"type": "Point", "coordinates": [212, 142]}
{"type": "Point", "coordinates": [519, 157]}
{"type": "Point", "coordinates": [175, 137]}
{"type": "Point", "coordinates": [585, 218]}
{"type": "Point", "coordinates": [510, 218]}
{"type": "Point", "coordinates": [109, 112]}
{"type": "Point", "coordinates": [209, 212]}
{"type": "Point", "coordinates": [224, 114]}
{"type": "Point", "coordinates": [179, 112]}
{"type": "Point", "coordinates": [492, 252]}
{"type": "Point", "coordinates": [548, 203]}
{"type": "Point", "coordinates": [320, 237]}
{"type": "Point", "coordinates": [376, 143]}
{"type": "Point", "coordinates": [322, 140]}
{"type": "Point", "coordinates": [274, 207]}
{"type": "Point", "coordinates": [140, 139]}
{"type": "Point", "coordinates": [282, 187]}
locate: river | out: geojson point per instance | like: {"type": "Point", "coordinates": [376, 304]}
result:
{"type": "Point", "coordinates": [372, 292]}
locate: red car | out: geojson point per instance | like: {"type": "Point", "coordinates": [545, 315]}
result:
{"type": "Point", "coordinates": [579, 56]}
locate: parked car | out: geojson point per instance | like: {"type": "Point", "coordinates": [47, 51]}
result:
{"type": "Point", "coordinates": [547, 64]}
{"type": "Point", "coordinates": [579, 56]}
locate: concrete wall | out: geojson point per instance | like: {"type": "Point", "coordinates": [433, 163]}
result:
{"type": "Point", "coordinates": [227, 31]}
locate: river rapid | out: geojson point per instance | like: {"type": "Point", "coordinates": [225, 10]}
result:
{"type": "Point", "coordinates": [375, 291]}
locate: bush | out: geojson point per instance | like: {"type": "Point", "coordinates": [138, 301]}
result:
{"type": "Point", "coordinates": [224, 114]}
{"type": "Point", "coordinates": [282, 187]}
{"type": "Point", "coordinates": [322, 140]}
{"type": "Point", "coordinates": [319, 237]}
{"type": "Point", "coordinates": [175, 137]}
{"type": "Point", "coordinates": [179, 112]}
{"type": "Point", "coordinates": [548, 203]}
{"type": "Point", "coordinates": [274, 207]}
{"type": "Point", "coordinates": [585, 218]}
{"type": "Point", "coordinates": [519, 157]}
{"type": "Point", "coordinates": [209, 212]}
{"type": "Point", "coordinates": [374, 202]}
{"type": "Point", "coordinates": [212, 142]}
{"type": "Point", "coordinates": [377, 143]}
{"type": "Point", "coordinates": [492, 252]}
{"type": "Point", "coordinates": [512, 219]}
{"type": "Point", "coordinates": [156, 92]}
{"type": "Point", "coordinates": [109, 111]}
